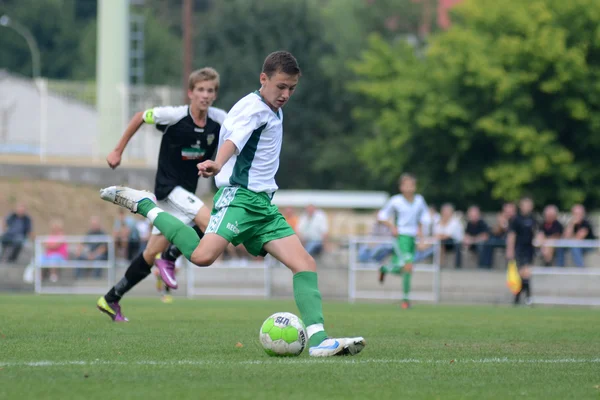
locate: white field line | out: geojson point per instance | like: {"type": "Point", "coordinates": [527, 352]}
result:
{"type": "Point", "coordinates": [292, 361]}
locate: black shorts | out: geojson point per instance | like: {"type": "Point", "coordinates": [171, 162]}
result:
{"type": "Point", "coordinates": [524, 256]}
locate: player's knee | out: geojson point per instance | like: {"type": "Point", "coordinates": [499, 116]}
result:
{"type": "Point", "coordinates": [149, 255]}
{"type": "Point", "coordinates": [311, 264]}
{"type": "Point", "coordinates": [305, 263]}
{"type": "Point", "coordinates": [204, 258]}
{"type": "Point", "coordinates": [408, 268]}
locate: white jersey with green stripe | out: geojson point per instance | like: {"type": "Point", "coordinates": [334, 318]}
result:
{"type": "Point", "coordinates": [257, 132]}
{"type": "Point", "coordinates": [408, 214]}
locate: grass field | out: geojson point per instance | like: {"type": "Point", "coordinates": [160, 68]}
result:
{"type": "Point", "coordinates": [61, 347]}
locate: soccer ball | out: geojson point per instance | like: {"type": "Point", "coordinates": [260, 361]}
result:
{"type": "Point", "coordinates": [283, 335]}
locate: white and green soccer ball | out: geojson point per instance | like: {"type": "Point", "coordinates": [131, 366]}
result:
{"type": "Point", "coordinates": [283, 335]}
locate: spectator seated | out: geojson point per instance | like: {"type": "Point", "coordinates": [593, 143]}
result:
{"type": "Point", "coordinates": [17, 230]}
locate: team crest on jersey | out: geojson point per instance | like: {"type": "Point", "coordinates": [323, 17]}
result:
{"type": "Point", "coordinates": [210, 138]}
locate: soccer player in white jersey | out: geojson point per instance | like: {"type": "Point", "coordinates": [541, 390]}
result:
{"type": "Point", "coordinates": [190, 134]}
{"type": "Point", "coordinates": [245, 168]}
{"type": "Point", "coordinates": [410, 213]}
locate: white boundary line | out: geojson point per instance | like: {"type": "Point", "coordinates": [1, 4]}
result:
{"type": "Point", "coordinates": [303, 361]}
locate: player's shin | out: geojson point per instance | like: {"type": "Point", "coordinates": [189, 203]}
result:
{"type": "Point", "coordinates": [138, 270]}
{"type": "Point", "coordinates": [407, 277]}
{"type": "Point", "coordinates": [176, 232]}
{"type": "Point", "coordinates": [309, 303]}
{"type": "Point", "coordinates": [172, 252]}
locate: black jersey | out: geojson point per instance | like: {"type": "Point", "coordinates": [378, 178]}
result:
{"type": "Point", "coordinates": [524, 226]}
{"type": "Point", "coordinates": [183, 146]}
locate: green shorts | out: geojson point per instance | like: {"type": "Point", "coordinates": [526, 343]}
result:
{"type": "Point", "coordinates": [245, 217]}
{"type": "Point", "coordinates": [406, 245]}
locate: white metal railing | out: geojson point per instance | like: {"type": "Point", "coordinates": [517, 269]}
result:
{"type": "Point", "coordinates": [108, 265]}
{"type": "Point", "coordinates": [562, 272]}
{"type": "Point", "coordinates": [233, 286]}
{"type": "Point", "coordinates": [355, 266]}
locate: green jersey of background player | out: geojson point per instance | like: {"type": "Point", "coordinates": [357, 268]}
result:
{"type": "Point", "coordinates": [245, 168]}
{"type": "Point", "coordinates": [410, 212]}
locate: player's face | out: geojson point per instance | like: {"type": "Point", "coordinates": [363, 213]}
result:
{"type": "Point", "coordinates": [473, 214]}
{"type": "Point", "coordinates": [277, 90]}
{"type": "Point", "coordinates": [526, 206]}
{"type": "Point", "coordinates": [578, 213]}
{"type": "Point", "coordinates": [447, 212]}
{"type": "Point", "coordinates": [550, 214]}
{"type": "Point", "coordinates": [408, 186]}
{"type": "Point", "coordinates": [203, 95]}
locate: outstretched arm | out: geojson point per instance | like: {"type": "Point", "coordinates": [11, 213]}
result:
{"type": "Point", "coordinates": [114, 157]}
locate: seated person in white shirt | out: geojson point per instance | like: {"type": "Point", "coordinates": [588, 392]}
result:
{"type": "Point", "coordinates": [312, 229]}
{"type": "Point", "coordinates": [449, 231]}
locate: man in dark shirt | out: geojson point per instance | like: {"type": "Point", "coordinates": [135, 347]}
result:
{"type": "Point", "coordinates": [579, 228]}
{"type": "Point", "coordinates": [17, 227]}
{"type": "Point", "coordinates": [476, 236]}
{"type": "Point", "coordinates": [519, 244]}
{"type": "Point", "coordinates": [551, 229]}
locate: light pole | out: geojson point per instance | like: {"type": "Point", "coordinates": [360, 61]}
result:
{"type": "Point", "coordinates": [36, 73]}
{"type": "Point", "coordinates": [33, 47]}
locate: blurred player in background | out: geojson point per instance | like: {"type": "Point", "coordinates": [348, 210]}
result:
{"type": "Point", "coordinates": [190, 135]}
{"type": "Point", "coordinates": [410, 213]}
{"type": "Point", "coordinates": [520, 244]}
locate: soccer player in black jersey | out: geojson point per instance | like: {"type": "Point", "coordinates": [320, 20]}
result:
{"type": "Point", "coordinates": [190, 135]}
{"type": "Point", "coordinates": [519, 244]}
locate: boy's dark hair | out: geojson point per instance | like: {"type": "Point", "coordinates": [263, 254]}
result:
{"type": "Point", "coordinates": [281, 61]}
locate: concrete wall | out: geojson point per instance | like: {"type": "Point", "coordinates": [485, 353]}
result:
{"type": "Point", "coordinates": [92, 175]}
{"type": "Point", "coordinates": [469, 286]}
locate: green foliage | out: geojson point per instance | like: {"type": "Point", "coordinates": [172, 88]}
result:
{"type": "Point", "coordinates": [236, 36]}
{"type": "Point", "coordinates": [56, 26]}
{"type": "Point", "coordinates": [65, 31]}
{"type": "Point", "coordinates": [346, 26]}
{"type": "Point", "coordinates": [504, 103]}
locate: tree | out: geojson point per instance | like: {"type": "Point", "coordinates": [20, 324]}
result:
{"type": "Point", "coordinates": [162, 51]}
{"type": "Point", "coordinates": [504, 103]}
{"type": "Point", "coordinates": [236, 36]}
{"type": "Point", "coordinates": [55, 24]}
{"type": "Point", "coordinates": [346, 27]}
{"type": "Point", "coordinates": [65, 31]}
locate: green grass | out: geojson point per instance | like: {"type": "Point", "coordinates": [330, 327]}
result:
{"type": "Point", "coordinates": [188, 350]}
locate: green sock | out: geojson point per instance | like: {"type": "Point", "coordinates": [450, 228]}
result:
{"type": "Point", "coordinates": [406, 284]}
{"type": "Point", "coordinates": [145, 206]}
{"type": "Point", "coordinates": [308, 301]}
{"type": "Point", "coordinates": [183, 236]}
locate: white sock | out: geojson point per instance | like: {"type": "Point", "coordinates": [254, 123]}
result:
{"type": "Point", "coordinates": [152, 214]}
{"type": "Point", "coordinates": [314, 328]}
